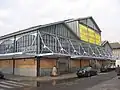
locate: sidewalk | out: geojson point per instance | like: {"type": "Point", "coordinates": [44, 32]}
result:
{"type": "Point", "coordinates": [45, 78]}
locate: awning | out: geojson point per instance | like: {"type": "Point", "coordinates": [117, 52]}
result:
{"type": "Point", "coordinates": [91, 57]}
{"type": "Point", "coordinates": [49, 55]}
{"type": "Point", "coordinates": [28, 55]}
{"type": "Point", "coordinates": [15, 55]}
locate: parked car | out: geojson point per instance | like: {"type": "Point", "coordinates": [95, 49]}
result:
{"type": "Point", "coordinates": [1, 75]}
{"type": "Point", "coordinates": [111, 67]}
{"type": "Point", "coordinates": [86, 71]}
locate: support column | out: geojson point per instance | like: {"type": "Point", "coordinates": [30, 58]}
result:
{"type": "Point", "coordinates": [80, 63]}
{"type": "Point", "coordinates": [14, 50]}
{"type": "Point", "coordinates": [57, 65]}
{"type": "Point", "coordinates": [38, 66]}
{"type": "Point", "coordinates": [69, 66]}
{"type": "Point", "coordinates": [13, 66]}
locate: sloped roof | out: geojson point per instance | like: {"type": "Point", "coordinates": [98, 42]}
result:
{"type": "Point", "coordinates": [115, 45]}
{"type": "Point", "coordinates": [103, 43]}
{"type": "Point", "coordinates": [29, 29]}
{"type": "Point", "coordinates": [89, 17]}
{"type": "Point", "coordinates": [41, 26]}
{"type": "Point", "coordinates": [106, 42]}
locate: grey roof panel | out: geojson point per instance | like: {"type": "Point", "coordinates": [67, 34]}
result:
{"type": "Point", "coordinates": [115, 45]}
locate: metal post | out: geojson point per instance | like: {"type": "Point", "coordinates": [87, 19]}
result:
{"type": "Point", "coordinates": [37, 42]}
{"type": "Point", "coordinates": [14, 50]}
{"type": "Point", "coordinates": [68, 64]}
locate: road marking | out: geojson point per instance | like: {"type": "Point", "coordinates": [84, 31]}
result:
{"type": "Point", "coordinates": [5, 86]}
{"type": "Point", "coordinates": [12, 84]}
{"type": "Point", "coordinates": [17, 83]}
{"type": "Point", "coordinates": [102, 73]}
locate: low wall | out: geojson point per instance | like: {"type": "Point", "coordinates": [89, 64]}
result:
{"type": "Point", "coordinates": [76, 64]}
{"type": "Point", "coordinates": [46, 65]}
{"type": "Point", "coordinates": [25, 67]}
{"type": "Point", "coordinates": [6, 66]}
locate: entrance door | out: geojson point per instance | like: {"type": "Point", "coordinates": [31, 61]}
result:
{"type": "Point", "coordinates": [63, 65]}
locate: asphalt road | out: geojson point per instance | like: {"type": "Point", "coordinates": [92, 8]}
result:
{"type": "Point", "coordinates": [74, 83]}
{"type": "Point", "coordinates": [68, 84]}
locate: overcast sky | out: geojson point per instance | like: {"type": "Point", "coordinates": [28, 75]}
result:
{"type": "Point", "coordinates": [20, 14]}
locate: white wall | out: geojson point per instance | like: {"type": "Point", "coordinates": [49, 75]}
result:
{"type": "Point", "coordinates": [117, 62]}
{"type": "Point", "coordinates": [116, 53]}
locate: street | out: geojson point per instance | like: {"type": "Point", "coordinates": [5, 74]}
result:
{"type": "Point", "coordinates": [68, 84]}
{"type": "Point", "coordinates": [74, 83]}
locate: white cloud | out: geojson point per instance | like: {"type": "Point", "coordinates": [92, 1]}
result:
{"type": "Point", "coordinates": [21, 14]}
{"type": "Point", "coordinates": [4, 13]}
{"type": "Point", "coordinates": [1, 24]}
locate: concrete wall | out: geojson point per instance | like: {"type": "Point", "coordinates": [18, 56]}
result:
{"type": "Point", "coordinates": [46, 65]}
{"type": "Point", "coordinates": [25, 67]}
{"type": "Point", "coordinates": [6, 66]}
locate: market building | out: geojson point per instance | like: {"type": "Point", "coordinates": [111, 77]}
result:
{"type": "Point", "coordinates": [116, 51]}
{"type": "Point", "coordinates": [68, 45]}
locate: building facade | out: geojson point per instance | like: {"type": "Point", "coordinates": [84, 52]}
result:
{"type": "Point", "coordinates": [116, 51]}
{"type": "Point", "coordinates": [108, 48]}
{"type": "Point", "coordinates": [68, 45]}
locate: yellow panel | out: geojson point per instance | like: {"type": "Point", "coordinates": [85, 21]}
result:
{"type": "Point", "coordinates": [92, 40]}
{"type": "Point", "coordinates": [98, 39]}
{"type": "Point", "coordinates": [84, 38]}
{"type": "Point", "coordinates": [83, 33]}
{"type": "Point", "coordinates": [89, 35]}
{"type": "Point", "coordinates": [83, 28]}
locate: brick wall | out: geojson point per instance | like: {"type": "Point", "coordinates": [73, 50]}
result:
{"type": "Point", "coordinates": [6, 66]}
{"type": "Point", "coordinates": [25, 63]}
{"type": "Point", "coordinates": [75, 63]}
{"type": "Point", "coordinates": [25, 67]}
{"type": "Point", "coordinates": [46, 65]}
{"type": "Point", "coordinates": [85, 63]}
{"type": "Point", "coordinates": [6, 63]}
{"type": "Point", "coordinates": [47, 62]}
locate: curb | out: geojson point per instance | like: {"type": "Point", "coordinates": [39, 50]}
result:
{"type": "Point", "coordinates": [42, 80]}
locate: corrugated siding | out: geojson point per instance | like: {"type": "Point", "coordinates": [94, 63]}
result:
{"type": "Point", "coordinates": [59, 30]}
{"type": "Point", "coordinates": [74, 26]}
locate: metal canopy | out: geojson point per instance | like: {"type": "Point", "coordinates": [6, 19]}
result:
{"type": "Point", "coordinates": [49, 45]}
